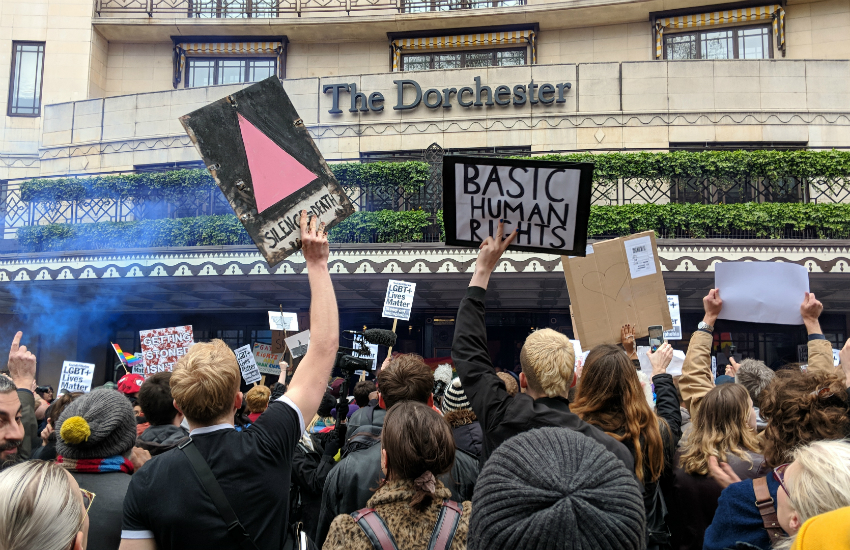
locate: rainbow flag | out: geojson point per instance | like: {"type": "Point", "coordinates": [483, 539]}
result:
{"type": "Point", "coordinates": [128, 359]}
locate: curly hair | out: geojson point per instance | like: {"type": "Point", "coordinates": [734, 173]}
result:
{"type": "Point", "coordinates": [797, 415]}
{"type": "Point", "coordinates": [611, 398]}
{"type": "Point", "coordinates": [720, 426]}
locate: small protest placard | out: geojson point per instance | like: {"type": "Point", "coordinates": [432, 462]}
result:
{"type": "Point", "coordinates": [675, 317]}
{"type": "Point", "coordinates": [245, 358]}
{"type": "Point", "coordinates": [163, 347]}
{"type": "Point", "coordinates": [267, 361]}
{"type": "Point", "coordinates": [263, 159]}
{"type": "Point", "coordinates": [76, 377]}
{"type": "Point", "coordinates": [373, 350]}
{"type": "Point", "coordinates": [283, 321]}
{"type": "Point", "coordinates": [298, 343]}
{"type": "Point", "coordinates": [548, 203]}
{"type": "Point", "coordinates": [278, 344]}
{"type": "Point", "coordinates": [836, 358]}
{"type": "Point", "coordinates": [399, 300]}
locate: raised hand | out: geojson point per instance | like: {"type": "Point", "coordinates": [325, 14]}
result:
{"type": "Point", "coordinates": [491, 251]}
{"type": "Point", "coordinates": [721, 472]}
{"type": "Point", "coordinates": [314, 240]}
{"type": "Point", "coordinates": [732, 367]}
{"type": "Point", "coordinates": [21, 364]}
{"type": "Point", "coordinates": [627, 338]}
{"type": "Point", "coordinates": [811, 309]}
{"type": "Point", "coordinates": [661, 358]}
{"type": "Point", "coordinates": [712, 304]}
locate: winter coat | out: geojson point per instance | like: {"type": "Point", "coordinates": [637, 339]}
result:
{"type": "Point", "coordinates": [312, 461]}
{"type": "Point", "coordinates": [467, 431]}
{"type": "Point", "coordinates": [158, 439]}
{"type": "Point", "coordinates": [737, 519]}
{"type": "Point", "coordinates": [692, 499]}
{"type": "Point", "coordinates": [502, 416]}
{"type": "Point", "coordinates": [107, 510]}
{"type": "Point", "coordinates": [410, 528]}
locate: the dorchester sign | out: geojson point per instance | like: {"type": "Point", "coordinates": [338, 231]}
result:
{"type": "Point", "coordinates": [347, 96]}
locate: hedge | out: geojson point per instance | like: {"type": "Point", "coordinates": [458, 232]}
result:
{"type": "Point", "coordinates": [387, 226]}
{"type": "Point", "coordinates": [175, 184]}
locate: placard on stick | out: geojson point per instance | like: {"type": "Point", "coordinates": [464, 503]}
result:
{"type": "Point", "coordinates": [261, 155]}
{"type": "Point", "coordinates": [281, 320]}
{"type": "Point", "coordinates": [163, 347]}
{"type": "Point", "coordinates": [618, 283]}
{"type": "Point", "coordinates": [245, 358]}
{"type": "Point", "coordinates": [76, 377]}
{"type": "Point", "coordinates": [298, 343]}
{"type": "Point", "coordinates": [267, 361]}
{"type": "Point", "coordinates": [548, 203]}
{"type": "Point", "coordinates": [399, 300]}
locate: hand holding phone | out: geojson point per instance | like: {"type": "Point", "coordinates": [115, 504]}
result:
{"type": "Point", "coordinates": [656, 337]}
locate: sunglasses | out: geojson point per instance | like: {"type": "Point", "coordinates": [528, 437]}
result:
{"type": "Point", "coordinates": [779, 475]}
{"type": "Point", "coordinates": [88, 498]}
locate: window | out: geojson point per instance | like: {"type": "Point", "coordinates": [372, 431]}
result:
{"type": "Point", "coordinates": [202, 71]}
{"type": "Point", "coordinates": [462, 60]}
{"type": "Point", "coordinates": [734, 43]}
{"type": "Point", "coordinates": [25, 82]}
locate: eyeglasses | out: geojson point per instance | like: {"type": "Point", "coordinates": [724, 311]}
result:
{"type": "Point", "coordinates": [822, 393]}
{"type": "Point", "coordinates": [779, 475]}
{"type": "Point", "coordinates": [88, 498]}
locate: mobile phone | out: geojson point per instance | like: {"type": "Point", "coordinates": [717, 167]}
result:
{"type": "Point", "coordinates": [656, 337]}
{"type": "Point", "coordinates": [732, 349]}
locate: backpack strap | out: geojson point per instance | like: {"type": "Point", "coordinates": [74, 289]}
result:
{"type": "Point", "coordinates": [765, 505]}
{"type": "Point", "coordinates": [447, 522]}
{"type": "Point", "coordinates": [375, 529]}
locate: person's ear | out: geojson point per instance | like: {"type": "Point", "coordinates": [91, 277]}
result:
{"type": "Point", "coordinates": [523, 381]}
{"type": "Point", "coordinates": [794, 523]}
{"type": "Point", "coordinates": [237, 402]}
{"type": "Point", "coordinates": [176, 406]}
{"type": "Point", "coordinates": [384, 461]}
{"type": "Point", "coordinates": [381, 401]}
{"type": "Point", "coordinates": [78, 541]}
{"type": "Point", "coordinates": [431, 400]}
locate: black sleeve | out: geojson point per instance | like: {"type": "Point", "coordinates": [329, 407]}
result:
{"type": "Point", "coordinates": [667, 405]}
{"type": "Point", "coordinates": [485, 390]}
{"type": "Point", "coordinates": [310, 470]}
{"type": "Point", "coordinates": [330, 502]}
{"type": "Point", "coordinates": [29, 421]}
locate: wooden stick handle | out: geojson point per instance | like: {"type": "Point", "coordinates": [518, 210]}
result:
{"type": "Point", "coordinates": [390, 351]}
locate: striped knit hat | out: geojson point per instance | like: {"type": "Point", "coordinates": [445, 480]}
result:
{"type": "Point", "coordinates": [455, 398]}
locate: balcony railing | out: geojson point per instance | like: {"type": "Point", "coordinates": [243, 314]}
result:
{"type": "Point", "coordinates": [208, 9]}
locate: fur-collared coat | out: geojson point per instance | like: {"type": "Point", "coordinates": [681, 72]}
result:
{"type": "Point", "coordinates": [467, 431]}
{"type": "Point", "coordinates": [410, 528]}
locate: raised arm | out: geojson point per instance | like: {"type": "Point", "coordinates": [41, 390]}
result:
{"type": "Point", "coordinates": [311, 377]}
{"type": "Point", "coordinates": [22, 366]}
{"type": "Point", "coordinates": [820, 349]}
{"type": "Point", "coordinates": [666, 399]}
{"type": "Point", "coordinates": [696, 380]}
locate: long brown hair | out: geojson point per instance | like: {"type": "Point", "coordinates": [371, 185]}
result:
{"type": "Point", "coordinates": [796, 414]}
{"type": "Point", "coordinates": [417, 440]}
{"type": "Point", "coordinates": [720, 426]}
{"type": "Point", "coordinates": [611, 398]}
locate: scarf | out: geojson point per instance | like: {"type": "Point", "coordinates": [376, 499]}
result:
{"type": "Point", "coordinates": [115, 463]}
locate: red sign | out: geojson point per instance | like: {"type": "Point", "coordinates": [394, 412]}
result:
{"type": "Point", "coordinates": [163, 347]}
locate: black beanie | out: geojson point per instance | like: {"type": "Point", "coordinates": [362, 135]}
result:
{"type": "Point", "coordinates": [553, 488]}
{"type": "Point", "coordinates": [327, 405]}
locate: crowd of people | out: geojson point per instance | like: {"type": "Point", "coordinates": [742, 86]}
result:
{"type": "Point", "coordinates": [551, 458]}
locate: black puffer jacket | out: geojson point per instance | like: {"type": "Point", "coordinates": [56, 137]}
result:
{"type": "Point", "coordinates": [467, 431]}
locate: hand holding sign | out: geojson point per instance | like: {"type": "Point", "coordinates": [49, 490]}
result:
{"type": "Point", "coordinates": [21, 364]}
{"type": "Point", "coordinates": [491, 252]}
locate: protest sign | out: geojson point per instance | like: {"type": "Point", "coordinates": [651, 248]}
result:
{"type": "Point", "coordinates": [163, 347]}
{"type": "Point", "coordinates": [76, 377]}
{"type": "Point", "coordinates": [245, 358]}
{"type": "Point", "coordinates": [283, 321]}
{"type": "Point", "coordinates": [675, 317]}
{"type": "Point", "coordinates": [267, 361]}
{"type": "Point", "coordinates": [399, 300]}
{"type": "Point", "coordinates": [673, 369]}
{"type": "Point", "coordinates": [298, 343]}
{"type": "Point", "coordinates": [373, 350]}
{"type": "Point", "coordinates": [802, 353]}
{"type": "Point", "coordinates": [761, 292]}
{"type": "Point", "coordinates": [548, 203]}
{"type": "Point", "coordinates": [605, 294]}
{"type": "Point", "coordinates": [836, 358]}
{"type": "Point", "coordinates": [278, 343]}
{"type": "Point", "coordinates": [263, 159]}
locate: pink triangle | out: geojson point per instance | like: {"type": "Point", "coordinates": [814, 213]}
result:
{"type": "Point", "coordinates": [274, 172]}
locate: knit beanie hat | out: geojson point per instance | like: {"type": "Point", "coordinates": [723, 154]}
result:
{"type": "Point", "coordinates": [825, 532]}
{"type": "Point", "coordinates": [455, 398]}
{"type": "Point", "coordinates": [553, 488]}
{"type": "Point", "coordinates": [99, 424]}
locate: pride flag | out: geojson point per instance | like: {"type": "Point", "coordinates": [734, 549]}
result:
{"type": "Point", "coordinates": [128, 359]}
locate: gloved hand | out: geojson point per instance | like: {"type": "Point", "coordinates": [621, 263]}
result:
{"type": "Point", "coordinates": [332, 447]}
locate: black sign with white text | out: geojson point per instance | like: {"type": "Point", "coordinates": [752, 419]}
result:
{"type": "Point", "coordinates": [547, 203]}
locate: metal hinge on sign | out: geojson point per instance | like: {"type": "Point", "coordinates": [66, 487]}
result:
{"type": "Point", "coordinates": [298, 122]}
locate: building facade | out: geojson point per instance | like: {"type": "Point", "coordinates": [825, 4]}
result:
{"type": "Point", "coordinates": [96, 87]}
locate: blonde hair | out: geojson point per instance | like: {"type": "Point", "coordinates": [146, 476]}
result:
{"type": "Point", "coordinates": [41, 507]}
{"type": "Point", "coordinates": [720, 426]}
{"type": "Point", "coordinates": [205, 382]}
{"type": "Point", "coordinates": [547, 360]}
{"type": "Point", "coordinates": [822, 483]}
{"type": "Point", "coordinates": [257, 399]}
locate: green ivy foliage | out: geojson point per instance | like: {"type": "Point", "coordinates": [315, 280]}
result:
{"type": "Point", "coordinates": [175, 184]}
{"type": "Point", "coordinates": [754, 220]}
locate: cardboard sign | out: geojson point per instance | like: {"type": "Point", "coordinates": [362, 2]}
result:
{"type": "Point", "coordinates": [261, 155]}
{"type": "Point", "coordinates": [373, 351]}
{"type": "Point", "coordinates": [399, 300]}
{"type": "Point", "coordinates": [283, 321]}
{"type": "Point", "coordinates": [278, 344]}
{"type": "Point", "coordinates": [605, 296]}
{"type": "Point", "coordinates": [163, 347]}
{"type": "Point", "coordinates": [675, 317]}
{"type": "Point", "coordinates": [267, 361]}
{"type": "Point", "coordinates": [245, 358]}
{"type": "Point", "coordinates": [548, 203]}
{"type": "Point", "coordinates": [76, 377]}
{"type": "Point", "coordinates": [298, 343]}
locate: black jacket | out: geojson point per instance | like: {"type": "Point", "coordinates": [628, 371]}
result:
{"type": "Point", "coordinates": [355, 479]}
{"type": "Point", "coordinates": [312, 461]}
{"type": "Point", "coordinates": [467, 431]}
{"type": "Point", "coordinates": [502, 416]}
